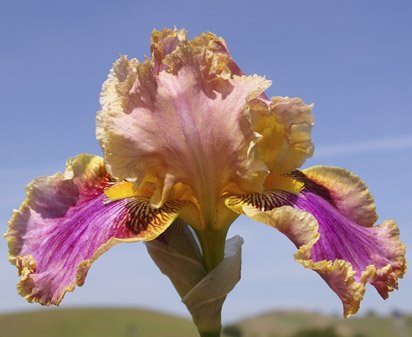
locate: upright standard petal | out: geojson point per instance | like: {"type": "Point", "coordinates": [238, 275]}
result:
{"type": "Point", "coordinates": [285, 126]}
{"type": "Point", "coordinates": [179, 124]}
{"type": "Point", "coordinates": [331, 226]}
{"type": "Point", "coordinates": [67, 222]}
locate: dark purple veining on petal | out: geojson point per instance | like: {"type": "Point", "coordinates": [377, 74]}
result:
{"type": "Point", "coordinates": [79, 233]}
{"type": "Point", "coordinates": [346, 254]}
{"type": "Point", "coordinates": [340, 237]}
{"type": "Point", "coordinates": [58, 245]}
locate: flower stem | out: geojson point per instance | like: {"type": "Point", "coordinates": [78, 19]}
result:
{"type": "Point", "coordinates": [209, 334]}
{"type": "Point", "coordinates": [212, 243]}
{"type": "Point", "coordinates": [213, 247]}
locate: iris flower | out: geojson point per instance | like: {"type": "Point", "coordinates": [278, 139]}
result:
{"type": "Point", "coordinates": [190, 140]}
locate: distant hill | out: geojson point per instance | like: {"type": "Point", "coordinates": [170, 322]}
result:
{"type": "Point", "coordinates": [95, 323]}
{"type": "Point", "coordinates": [143, 323]}
{"type": "Point", "coordinates": [301, 323]}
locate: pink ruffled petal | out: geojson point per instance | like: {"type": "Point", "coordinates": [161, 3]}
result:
{"type": "Point", "coordinates": [317, 220]}
{"type": "Point", "coordinates": [67, 222]}
{"type": "Point", "coordinates": [180, 121]}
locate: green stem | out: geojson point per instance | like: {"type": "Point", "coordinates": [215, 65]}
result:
{"type": "Point", "coordinates": [212, 243]}
{"type": "Point", "coordinates": [209, 334]}
{"type": "Point", "coordinates": [213, 247]}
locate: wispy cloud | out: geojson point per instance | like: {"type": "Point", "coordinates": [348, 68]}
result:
{"type": "Point", "coordinates": [383, 144]}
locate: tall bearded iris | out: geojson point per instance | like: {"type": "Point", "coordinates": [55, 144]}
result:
{"type": "Point", "coordinates": [188, 139]}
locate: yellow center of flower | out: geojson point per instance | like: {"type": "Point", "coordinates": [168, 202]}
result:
{"type": "Point", "coordinates": [122, 190]}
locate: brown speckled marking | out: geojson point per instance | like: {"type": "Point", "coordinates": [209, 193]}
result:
{"type": "Point", "coordinates": [144, 218]}
{"type": "Point", "coordinates": [265, 201]}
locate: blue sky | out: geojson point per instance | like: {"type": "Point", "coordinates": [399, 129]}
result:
{"type": "Point", "coordinates": [351, 58]}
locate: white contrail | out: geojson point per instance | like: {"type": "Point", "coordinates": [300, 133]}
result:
{"type": "Point", "coordinates": [383, 144]}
